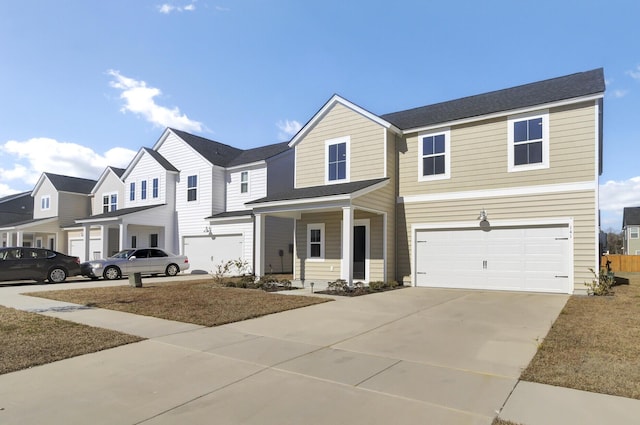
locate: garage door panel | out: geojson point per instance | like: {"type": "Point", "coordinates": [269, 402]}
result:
{"type": "Point", "coordinates": [205, 253]}
{"type": "Point", "coordinates": [534, 258]}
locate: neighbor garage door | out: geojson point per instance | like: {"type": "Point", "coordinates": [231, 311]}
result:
{"type": "Point", "coordinates": [206, 252]}
{"type": "Point", "coordinates": [76, 249]}
{"type": "Point", "coordinates": [533, 258]}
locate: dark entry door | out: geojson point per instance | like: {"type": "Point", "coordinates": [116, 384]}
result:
{"type": "Point", "coordinates": [359, 252]}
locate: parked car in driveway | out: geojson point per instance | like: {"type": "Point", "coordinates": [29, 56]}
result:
{"type": "Point", "coordinates": [20, 263]}
{"type": "Point", "coordinates": [142, 260]}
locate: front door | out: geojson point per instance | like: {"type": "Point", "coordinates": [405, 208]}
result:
{"type": "Point", "coordinates": [359, 252]}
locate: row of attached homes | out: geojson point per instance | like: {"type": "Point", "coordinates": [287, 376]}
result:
{"type": "Point", "coordinates": [493, 191]}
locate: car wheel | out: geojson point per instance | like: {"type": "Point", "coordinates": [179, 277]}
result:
{"type": "Point", "coordinates": [111, 273]}
{"type": "Point", "coordinates": [57, 275]}
{"type": "Point", "coordinates": [172, 270]}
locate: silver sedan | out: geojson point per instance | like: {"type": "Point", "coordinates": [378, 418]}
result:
{"type": "Point", "coordinates": [143, 260]}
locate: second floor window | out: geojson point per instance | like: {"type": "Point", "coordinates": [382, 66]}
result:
{"type": "Point", "coordinates": [244, 182]}
{"type": "Point", "coordinates": [155, 188]}
{"type": "Point", "coordinates": [109, 203]}
{"type": "Point", "coordinates": [45, 202]}
{"type": "Point", "coordinates": [337, 153]}
{"type": "Point", "coordinates": [192, 188]}
{"type": "Point", "coordinates": [132, 191]}
{"type": "Point", "coordinates": [528, 142]}
{"type": "Point", "coordinates": [634, 232]}
{"type": "Point", "coordinates": [143, 189]}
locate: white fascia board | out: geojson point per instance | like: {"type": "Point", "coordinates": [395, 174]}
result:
{"type": "Point", "coordinates": [247, 165]}
{"type": "Point", "coordinates": [132, 164]}
{"type": "Point", "coordinates": [35, 223]}
{"type": "Point", "coordinates": [504, 113]}
{"type": "Point", "coordinates": [294, 203]}
{"type": "Point", "coordinates": [38, 184]}
{"type": "Point", "coordinates": [369, 189]}
{"type": "Point", "coordinates": [498, 193]}
{"type": "Point", "coordinates": [98, 220]}
{"type": "Point", "coordinates": [327, 106]}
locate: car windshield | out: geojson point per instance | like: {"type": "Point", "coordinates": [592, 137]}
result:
{"type": "Point", "coordinates": [124, 253]}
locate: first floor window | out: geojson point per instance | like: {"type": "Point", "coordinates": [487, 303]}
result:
{"type": "Point", "coordinates": [528, 142]}
{"type": "Point", "coordinates": [132, 191]}
{"type": "Point", "coordinates": [134, 241]}
{"type": "Point", "coordinates": [192, 188]}
{"type": "Point", "coordinates": [153, 240]}
{"type": "Point", "coordinates": [315, 237]}
{"type": "Point", "coordinates": [244, 182]}
{"type": "Point", "coordinates": [155, 188]}
{"type": "Point", "coordinates": [143, 189]}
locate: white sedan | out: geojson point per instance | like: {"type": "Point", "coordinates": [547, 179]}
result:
{"type": "Point", "coordinates": [143, 260]}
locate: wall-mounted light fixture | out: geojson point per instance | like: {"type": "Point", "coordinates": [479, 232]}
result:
{"type": "Point", "coordinates": [483, 215]}
{"type": "Point", "coordinates": [207, 229]}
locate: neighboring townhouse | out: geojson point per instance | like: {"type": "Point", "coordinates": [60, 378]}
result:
{"type": "Point", "coordinates": [631, 231]}
{"type": "Point", "coordinates": [494, 191]}
{"type": "Point", "coordinates": [14, 209]}
{"type": "Point", "coordinates": [57, 201]}
{"type": "Point", "coordinates": [171, 196]}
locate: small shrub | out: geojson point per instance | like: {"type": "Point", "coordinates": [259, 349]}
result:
{"type": "Point", "coordinates": [600, 284]}
{"type": "Point", "coordinates": [377, 285]}
{"type": "Point", "coordinates": [338, 286]}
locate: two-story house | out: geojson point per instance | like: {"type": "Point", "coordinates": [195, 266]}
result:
{"type": "Point", "coordinates": [56, 201]}
{"type": "Point", "coordinates": [493, 191]}
{"type": "Point", "coordinates": [631, 231]}
{"type": "Point", "coordinates": [186, 194]}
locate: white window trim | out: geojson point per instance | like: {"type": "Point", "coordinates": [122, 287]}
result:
{"type": "Point", "coordinates": [108, 195]}
{"type": "Point", "coordinates": [544, 114]}
{"type": "Point", "coordinates": [144, 190]}
{"type": "Point", "coordinates": [447, 155]}
{"type": "Point", "coordinates": [247, 182]}
{"type": "Point", "coordinates": [633, 230]}
{"type": "Point", "coordinates": [337, 140]}
{"type": "Point", "coordinates": [186, 193]}
{"type": "Point", "coordinates": [132, 193]}
{"type": "Point", "coordinates": [45, 202]}
{"type": "Point", "coordinates": [155, 195]}
{"type": "Point", "coordinates": [323, 236]}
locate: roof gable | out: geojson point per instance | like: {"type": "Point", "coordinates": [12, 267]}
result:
{"type": "Point", "coordinates": [161, 160]}
{"type": "Point", "coordinates": [215, 152]}
{"type": "Point", "coordinates": [259, 154]}
{"type": "Point", "coordinates": [118, 172]}
{"type": "Point", "coordinates": [66, 183]}
{"type": "Point", "coordinates": [543, 92]}
{"type": "Point", "coordinates": [336, 99]}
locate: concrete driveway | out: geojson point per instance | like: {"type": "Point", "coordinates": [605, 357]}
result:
{"type": "Point", "coordinates": [410, 356]}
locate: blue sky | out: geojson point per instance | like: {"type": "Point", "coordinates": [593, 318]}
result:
{"type": "Point", "coordinates": [85, 84]}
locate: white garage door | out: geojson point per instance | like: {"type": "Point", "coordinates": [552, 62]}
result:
{"type": "Point", "coordinates": [516, 258]}
{"type": "Point", "coordinates": [76, 249]}
{"type": "Point", "coordinates": [206, 252]}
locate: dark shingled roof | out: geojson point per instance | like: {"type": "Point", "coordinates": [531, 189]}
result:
{"type": "Point", "coordinates": [630, 216]}
{"type": "Point", "coordinates": [16, 208]}
{"type": "Point", "coordinates": [161, 160]}
{"type": "Point", "coordinates": [118, 171]}
{"type": "Point", "coordinates": [227, 156]}
{"type": "Point", "coordinates": [319, 191]}
{"type": "Point", "coordinates": [119, 213]}
{"type": "Point", "coordinates": [552, 90]}
{"type": "Point", "coordinates": [215, 152]}
{"type": "Point", "coordinates": [71, 184]}
{"type": "Point", "coordinates": [231, 214]}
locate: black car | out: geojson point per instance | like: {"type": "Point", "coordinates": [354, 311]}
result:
{"type": "Point", "coordinates": [18, 263]}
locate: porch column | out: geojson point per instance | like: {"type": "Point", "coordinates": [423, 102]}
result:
{"type": "Point", "coordinates": [346, 271]}
{"type": "Point", "coordinates": [86, 237]}
{"type": "Point", "coordinates": [104, 237]}
{"type": "Point", "coordinates": [123, 236]}
{"type": "Point", "coordinates": [20, 238]}
{"type": "Point", "coordinates": [258, 252]}
{"type": "Point", "coordinates": [10, 239]}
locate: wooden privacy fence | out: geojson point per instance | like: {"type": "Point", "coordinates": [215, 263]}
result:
{"type": "Point", "coordinates": [621, 263]}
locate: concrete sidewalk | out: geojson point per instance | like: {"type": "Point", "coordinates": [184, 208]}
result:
{"type": "Point", "coordinates": [405, 357]}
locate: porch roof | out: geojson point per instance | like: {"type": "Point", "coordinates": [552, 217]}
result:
{"type": "Point", "coordinates": [231, 214]}
{"type": "Point", "coordinates": [321, 193]}
{"type": "Point", "coordinates": [113, 215]}
{"type": "Point", "coordinates": [28, 223]}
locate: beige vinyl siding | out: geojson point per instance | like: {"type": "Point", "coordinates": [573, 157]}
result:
{"type": "Point", "coordinates": [72, 206]}
{"type": "Point", "coordinates": [577, 205]}
{"type": "Point", "coordinates": [366, 154]}
{"type": "Point", "coordinates": [110, 185]}
{"type": "Point", "coordinates": [45, 189]}
{"type": "Point", "coordinates": [479, 155]}
{"type": "Point", "coordinates": [321, 270]}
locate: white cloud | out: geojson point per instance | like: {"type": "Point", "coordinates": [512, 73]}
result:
{"type": "Point", "coordinates": [635, 74]}
{"type": "Point", "coordinates": [140, 100]}
{"type": "Point", "coordinates": [614, 196]}
{"type": "Point", "coordinates": [168, 8]}
{"type": "Point", "coordinates": [620, 93]}
{"type": "Point", "coordinates": [288, 129]}
{"type": "Point", "coordinates": [30, 158]}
